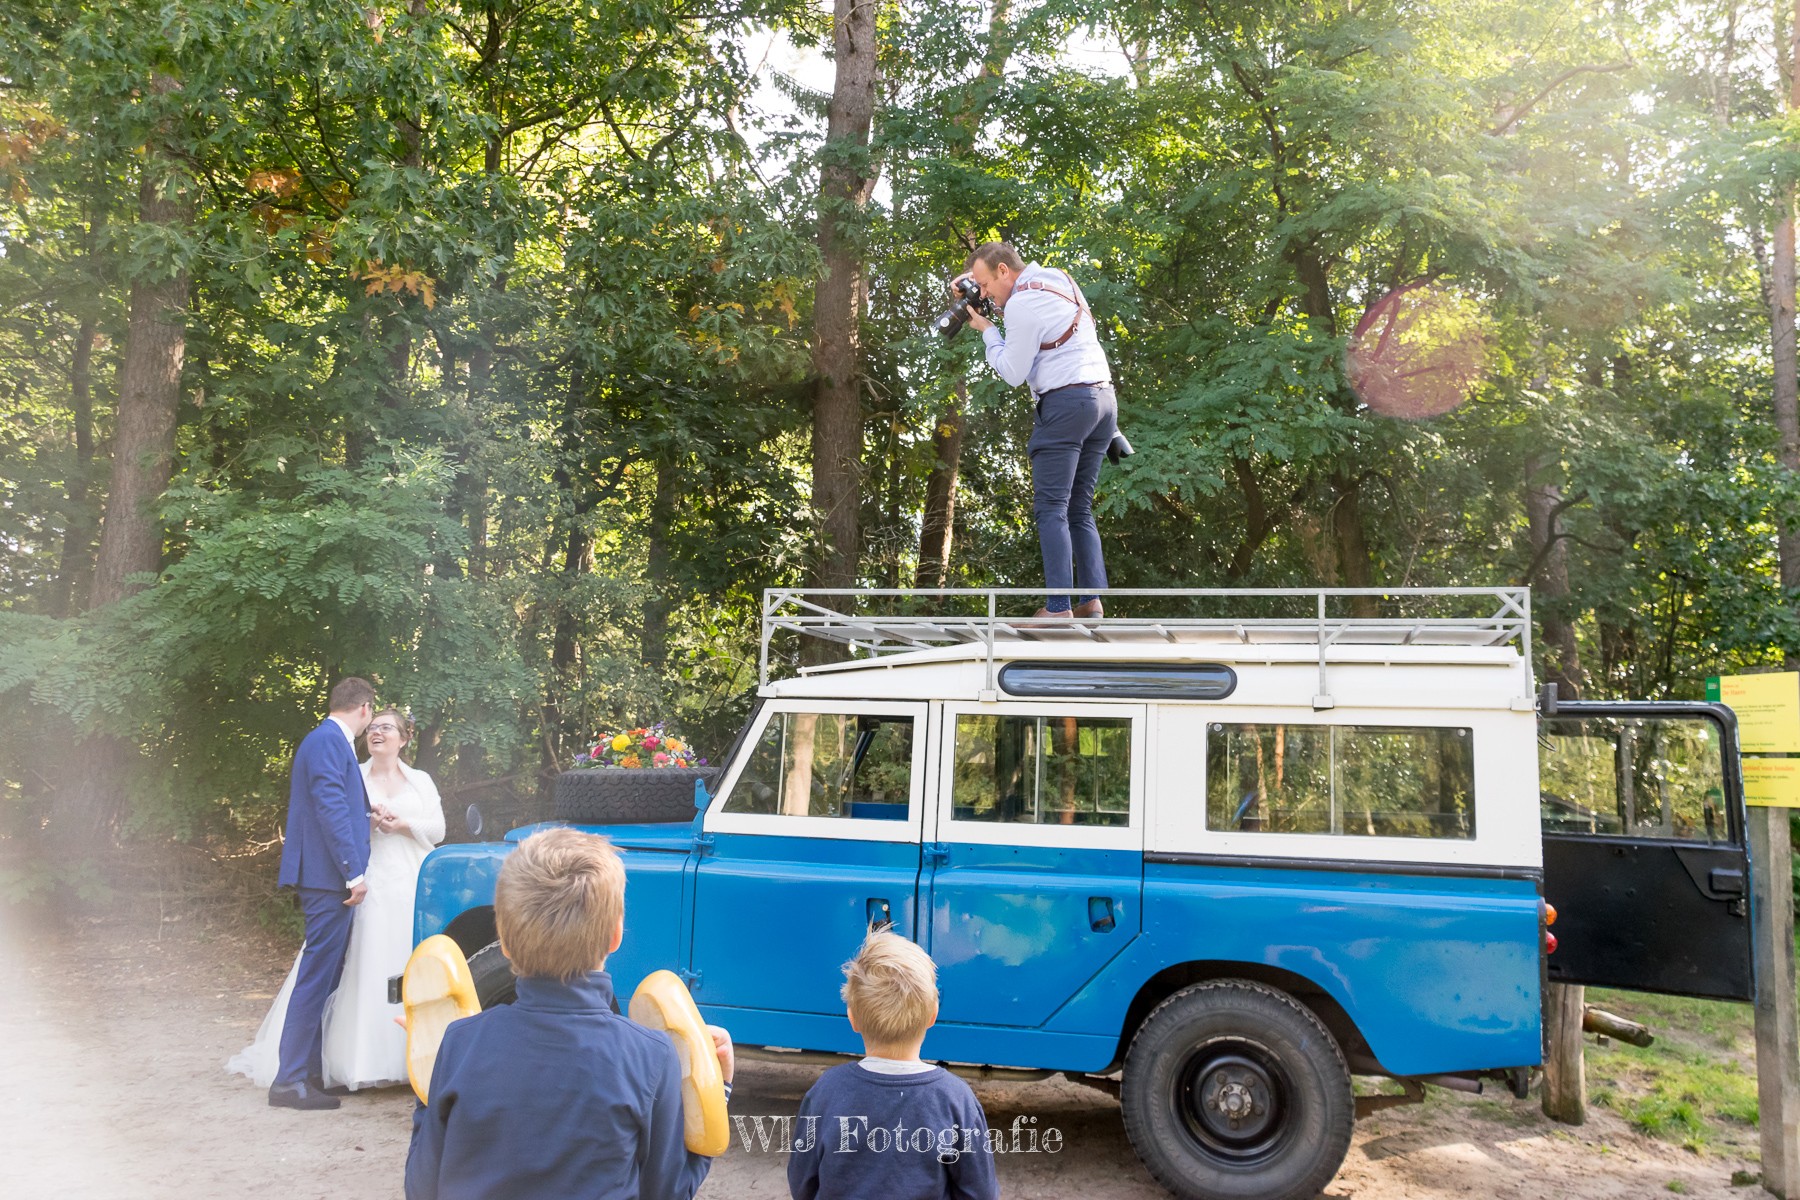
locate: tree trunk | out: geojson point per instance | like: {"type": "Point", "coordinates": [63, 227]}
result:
{"type": "Point", "coordinates": [1787, 418]}
{"type": "Point", "coordinates": [1781, 303]}
{"type": "Point", "coordinates": [471, 485]}
{"type": "Point", "coordinates": [578, 561]}
{"type": "Point", "coordinates": [939, 518]}
{"type": "Point", "coordinates": [1549, 550]}
{"type": "Point", "coordinates": [937, 529]}
{"type": "Point", "coordinates": [660, 602]}
{"type": "Point", "coordinates": [358, 440]}
{"type": "Point", "coordinates": [1355, 566]}
{"type": "Point", "coordinates": [846, 179]}
{"type": "Point", "coordinates": [143, 464]}
{"type": "Point", "coordinates": [144, 430]}
{"type": "Point", "coordinates": [394, 331]}
{"type": "Point", "coordinates": [75, 568]}
{"type": "Point", "coordinates": [1778, 1088]}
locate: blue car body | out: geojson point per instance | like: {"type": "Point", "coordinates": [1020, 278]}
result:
{"type": "Point", "coordinates": [1352, 823]}
{"type": "Point", "coordinates": [1438, 974]}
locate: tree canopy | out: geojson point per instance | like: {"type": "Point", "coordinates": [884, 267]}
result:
{"type": "Point", "coordinates": [490, 345]}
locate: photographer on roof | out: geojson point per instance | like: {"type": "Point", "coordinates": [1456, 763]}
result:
{"type": "Point", "coordinates": [1050, 345]}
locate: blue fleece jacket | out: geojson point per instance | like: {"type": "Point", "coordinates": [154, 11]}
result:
{"type": "Point", "coordinates": [556, 1096]}
{"type": "Point", "coordinates": [863, 1134]}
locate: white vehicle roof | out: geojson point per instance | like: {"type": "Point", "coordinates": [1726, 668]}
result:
{"type": "Point", "coordinates": [1422, 648]}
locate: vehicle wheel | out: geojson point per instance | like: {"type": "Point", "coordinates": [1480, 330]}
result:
{"type": "Point", "coordinates": [626, 796]}
{"type": "Point", "coordinates": [495, 982]}
{"type": "Point", "coordinates": [1234, 1091]}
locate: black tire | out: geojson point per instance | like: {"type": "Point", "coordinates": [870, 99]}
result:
{"type": "Point", "coordinates": [1233, 1044]}
{"type": "Point", "coordinates": [626, 796]}
{"type": "Point", "coordinates": [495, 982]}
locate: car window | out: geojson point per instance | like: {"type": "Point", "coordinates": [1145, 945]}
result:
{"type": "Point", "coordinates": [1350, 780]}
{"type": "Point", "coordinates": [828, 765]}
{"type": "Point", "coordinates": [1042, 770]}
{"type": "Point", "coordinates": [1638, 777]}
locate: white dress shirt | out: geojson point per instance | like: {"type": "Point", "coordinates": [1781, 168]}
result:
{"type": "Point", "coordinates": [897, 1066]}
{"type": "Point", "coordinates": [1034, 317]}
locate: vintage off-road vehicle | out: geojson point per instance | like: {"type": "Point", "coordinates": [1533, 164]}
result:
{"type": "Point", "coordinates": [1215, 864]}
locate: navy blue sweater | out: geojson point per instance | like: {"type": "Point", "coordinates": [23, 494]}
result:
{"type": "Point", "coordinates": [861, 1134]}
{"type": "Point", "coordinates": [556, 1096]}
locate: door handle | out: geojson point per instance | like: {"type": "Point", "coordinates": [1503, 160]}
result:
{"type": "Point", "coordinates": [880, 913]}
{"type": "Point", "coordinates": [1100, 914]}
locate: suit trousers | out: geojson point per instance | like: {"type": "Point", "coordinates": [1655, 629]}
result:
{"type": "Point", "coordinates": [1068, 443]}
{"type": "Point", "coordinates": [321, 965]}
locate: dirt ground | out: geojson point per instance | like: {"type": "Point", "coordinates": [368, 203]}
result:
{"type": "Point", "coordinates": [114, 1032]}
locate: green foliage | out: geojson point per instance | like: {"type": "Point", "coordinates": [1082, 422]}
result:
{"type": "Point", "coordinates": [497, 387]}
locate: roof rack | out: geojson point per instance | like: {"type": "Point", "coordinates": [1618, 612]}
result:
{"type": "Point", "coordinates": [876, 622]}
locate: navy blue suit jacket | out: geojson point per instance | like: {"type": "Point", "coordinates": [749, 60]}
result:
{"type": "Point", "coordinates": [556, 1096]}
{"type": "Point", "coordinates": [328, 814]}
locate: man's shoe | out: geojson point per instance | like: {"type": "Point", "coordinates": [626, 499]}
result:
{"type": "Point", "coordinates": [1060, 614]}
{"type": "Point", "coordinates": [300, 1096]}
{"type": "Point", "coordinates": [1090, 609]}
{"type": "Point", "coordinates": [318, 1085]}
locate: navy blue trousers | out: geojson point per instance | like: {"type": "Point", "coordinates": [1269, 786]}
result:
{"type": "Point", "coordinates": [321, 965]}
{"type": "Point", "coordinates": [1068, 443]}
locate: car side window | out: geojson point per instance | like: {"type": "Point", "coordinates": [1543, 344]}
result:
{"type": "Point", "coordinates": [828, 765]}
{"type": "Point", "coordinates": [1042, 770]}
{"type": "Point", "coordinates": [1633, 777]}
{"type": "Point", "coordinates": [1351, 780]}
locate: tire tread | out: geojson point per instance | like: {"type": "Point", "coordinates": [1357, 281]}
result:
{"type": "Point", "coordinates": [1137, 1128]}
{"type": "Point", "coordinates": [622, 796]}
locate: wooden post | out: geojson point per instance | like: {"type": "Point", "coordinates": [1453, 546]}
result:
{"type": "Point", "coordinates": [1565, 1074]}
{"type": "Point", "coordinates": [1777, 1038]}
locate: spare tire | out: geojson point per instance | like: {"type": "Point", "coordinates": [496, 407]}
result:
{"type": "Point", "coordinates": [627, 795]}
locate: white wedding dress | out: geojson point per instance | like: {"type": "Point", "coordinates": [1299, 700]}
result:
{"type": "Point", "coordinates": [362, 1045]}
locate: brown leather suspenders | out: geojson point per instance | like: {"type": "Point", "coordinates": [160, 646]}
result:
{"type": "Point", "coordinates": [1081, 309]}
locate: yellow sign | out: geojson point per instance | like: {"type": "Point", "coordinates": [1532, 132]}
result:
{"type": "Point", "coordinates": [1768, 711]}
{"type": "Point", "coordinates": [1772, 782]}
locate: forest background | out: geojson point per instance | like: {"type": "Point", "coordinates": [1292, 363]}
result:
{"type": "Point", "coordinates": [504, 351]}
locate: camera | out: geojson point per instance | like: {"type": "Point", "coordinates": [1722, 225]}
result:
{"type": "Point", "coordinates": [968, 296]}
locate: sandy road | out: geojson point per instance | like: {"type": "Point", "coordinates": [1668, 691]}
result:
{"type": "Point", "coordinates": [113, 1034]}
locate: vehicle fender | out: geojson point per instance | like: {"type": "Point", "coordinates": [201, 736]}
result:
{"type": "Point", "coordinates": [454, 880]}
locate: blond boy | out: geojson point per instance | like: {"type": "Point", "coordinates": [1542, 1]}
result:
{"type": "Point", "coordinates": [891, 1127]}
{"type": "Point", "coordinates": [556, 1094]}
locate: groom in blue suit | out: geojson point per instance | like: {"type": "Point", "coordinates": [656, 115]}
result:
{"type": "Point", "coordinates": [323, 858]}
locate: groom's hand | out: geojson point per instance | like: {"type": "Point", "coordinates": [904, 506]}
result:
{"type": "Point", "coordinates": [356, 895]}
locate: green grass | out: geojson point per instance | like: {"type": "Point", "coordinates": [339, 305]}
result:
{"type": "Point", "coordinates": [1696, 1085]}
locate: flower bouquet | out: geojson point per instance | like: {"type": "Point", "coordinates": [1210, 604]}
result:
{"type": "Point", "coordinates": [648, 746]}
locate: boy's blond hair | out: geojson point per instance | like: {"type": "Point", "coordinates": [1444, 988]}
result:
{"type": "Point", "coordinates": [558, 902]}
{"type": "Point", "coordinates": [892, 986]}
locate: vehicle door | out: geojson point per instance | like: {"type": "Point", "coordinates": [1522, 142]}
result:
{"type": "Point", "coordinates": [813, 837]}
{"type": "Point", "coordinates": [1645, 855]}
{"type": "Point", "coordinates": [1036, 863]}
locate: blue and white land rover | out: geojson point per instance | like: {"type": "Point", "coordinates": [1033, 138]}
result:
{"type": "Point", "coordinates": [1216, 863]}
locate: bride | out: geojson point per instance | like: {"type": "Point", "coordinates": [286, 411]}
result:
{"type": "Point", "coordinates": [362, 1045]}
